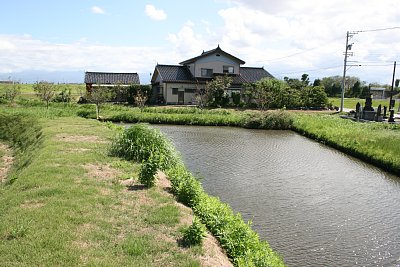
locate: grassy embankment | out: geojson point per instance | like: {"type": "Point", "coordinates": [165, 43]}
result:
{"type": "Point", "coordinates": [376, 143]}
{"type": "Point", "coordinates": [63, 204]}
{"type": "Point", "coordinates": [242, 244]}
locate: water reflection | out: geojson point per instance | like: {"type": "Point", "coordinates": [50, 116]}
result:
{"type": "Point", "coordinates": [315, 205]}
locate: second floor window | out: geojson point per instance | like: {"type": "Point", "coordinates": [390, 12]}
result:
{"type": "Point", "coordinates": [206, 72]}
{"type": "Point", "coordinates": [229, 69]}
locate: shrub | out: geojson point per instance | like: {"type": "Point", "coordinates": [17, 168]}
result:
{"type": "Point", "coordinates": [139, 142]}
{"type": "Point", "coordinates": [185, 186]}
{"type": "Point", "coordinates": [194, 234]}
{"type": "Point", "coordinates": [148, 171]}
{"type": "Point", "coordinates": [271, 120]}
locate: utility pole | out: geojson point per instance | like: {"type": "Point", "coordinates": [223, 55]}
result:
{"type": "Point", "coordinates": [346, 55]}
{"type": "Point", "coordinates": [391, 92]}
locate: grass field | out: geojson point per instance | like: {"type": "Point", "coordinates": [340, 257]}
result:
{"type": "Point", "coordinates": [352, 102]}
{"type": "Point", "coordinates": [27, 91]}
{"type": "Point", "coordinates": [67, 207]}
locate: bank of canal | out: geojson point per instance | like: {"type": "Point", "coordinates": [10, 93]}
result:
{"type": "Point", "coordinates": [316, 206]}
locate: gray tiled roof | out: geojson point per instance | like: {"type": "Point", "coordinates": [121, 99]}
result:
{"type": "Point", "coordinates": [216, 50]}
{"type": "Point", "coordinates": [251, 75]}
{"type": "Point", "coordinates": [174, 73]}
{"type": "Point", "coordinates": [111, 78]}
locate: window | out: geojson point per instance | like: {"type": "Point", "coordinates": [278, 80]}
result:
{"type": "Point", "coordinates": [206, 72]}
{"type": "Point", "coordinates": [174, 91]}
{"type": "Point", "coordinates": [189, 90]}
{"type": "Point", "coordinates": [229, 69]}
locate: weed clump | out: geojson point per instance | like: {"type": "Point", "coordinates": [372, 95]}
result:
{"type": "Point", "coordinates": [194, 234]}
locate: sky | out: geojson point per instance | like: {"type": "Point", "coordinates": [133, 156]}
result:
{"type": "Point", "coordinates": [60, 40]}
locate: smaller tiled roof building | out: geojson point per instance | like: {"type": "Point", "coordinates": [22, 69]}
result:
{"type": "Point", "coordinates": [110, 79]}
{"type": "Point", "coordinates": [177, 84]}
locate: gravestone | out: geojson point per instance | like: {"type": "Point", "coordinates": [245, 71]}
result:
{"type": "Point", "coordinates": [384, 112]}
{"type": "Point", "coordinates": [357, 115]}
{"type": "Point", "coordinates": [368, 113]}
{"type": "Point", "coordinates": [391, 117]}
{"type": "Point", "coordinates": [378, 116]}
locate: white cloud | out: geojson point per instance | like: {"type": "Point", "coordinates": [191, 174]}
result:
{"type": "Point", "coordinates": [187, 42]}
{"type": "Point", "coordinates": [290, 37]}
{"type": "Point", "coordinates": [24, 53]}
{"type": "Point", "coordinates": [155, 14]}
{"type": "Point", "coordinates": [97, 10]}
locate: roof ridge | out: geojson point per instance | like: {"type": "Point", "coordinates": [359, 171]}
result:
{"type": "Point", "coordinates": [169, 65]}
{"type": "Point", "coordinates": [104, 72]}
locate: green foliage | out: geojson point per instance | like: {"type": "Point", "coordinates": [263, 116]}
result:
{"type": "Point", "coordinates": [271, 120]}
{"type": "Point", "coordinates": [148, 171]}
{"type": "Point", "coordinates": [194, 234]}
{"type": "Point", "coordinates": [215, 91]}
{"type": "Point", "coordinates": [137, 90]}
{"type": "Point", "coordinates": [185, 186]}
{"type": "Point", "coordinates": [236, 98]}
{"type": "Point", "coordinates": [11, 91]}
{"type": "Point", "coordinates": [20, 130]}
{"type": "Point", "coordinates": [314, 97]}
{"type": "Point", "coordinates": [45, 91]}
{"type": "Point", "coordinates": [140, 143]}
{"type": "Point", "coordinates": [271, 93]}
{"type": "Point", "coordinates": [99, 95]}
{"type": "Point", "coordinates": [65, 96]}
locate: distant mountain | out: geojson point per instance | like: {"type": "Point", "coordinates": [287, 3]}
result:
{"type": "Point", "coordinates": [55, 76]}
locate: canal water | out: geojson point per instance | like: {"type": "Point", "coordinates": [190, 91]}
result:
{"type": "Point", "coordinates": [314, 205]}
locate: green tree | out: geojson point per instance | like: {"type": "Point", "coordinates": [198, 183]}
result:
{"type": "Point", "coordinates": [314, 97]}
{"type": "Point", "coordinates": [317, 82]}
{"type": "Point", "coordinates": [134, 89]}
{"type": "Point", "coordinates": [216, 90]}
{"type": "Point", "coordinates": [64, 96]}
{"type": "Point", "coordinates": [332, 85]}
{"type": "Point", "coordinates": [294, 83]}
{"type": "Point", "coordinates": [11, 91]}
{"type": "Point", "coordinates": [305, 79]}
{"type": "Point", "coordinates": [271, 93]}
{"type": "Point", "coordinates": [99, 95]}
{"type": "Point", "coordinates": [45, 91]}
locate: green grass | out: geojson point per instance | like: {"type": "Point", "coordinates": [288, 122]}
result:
{"type": "Point", "coordinates": [352, 102]}
{"type": "Point", "coordinates": [67, 208]}
{"type": "Point", "coordinates": [377, 143]}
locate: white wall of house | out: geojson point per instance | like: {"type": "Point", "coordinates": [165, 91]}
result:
{"type": "Point", "coordinates": [216, 63]}
{"type": "Point", "coordinates": [171, 93]}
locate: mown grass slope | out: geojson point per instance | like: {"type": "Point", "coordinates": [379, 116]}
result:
{"type": "Point", "coordinates": [67, 207]}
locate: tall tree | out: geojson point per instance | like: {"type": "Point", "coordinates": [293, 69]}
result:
{"type": "Point", "coordinates": [305, 79]}
{"type": "Point", "coordinates": [45, 91]}
{"type": "Point", "coordinates": [99, 95]}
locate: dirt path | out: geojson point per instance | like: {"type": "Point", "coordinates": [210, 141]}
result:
{"type": "Point", "coordinates": [6, 162]}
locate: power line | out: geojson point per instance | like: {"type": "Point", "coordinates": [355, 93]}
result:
{"type": "Point", "coordinates": [305, 71]}
{"type": "Point", "coordinates": [382, 29]}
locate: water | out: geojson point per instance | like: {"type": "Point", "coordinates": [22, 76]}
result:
{"type": "Point", "coordinates": [314, 205]}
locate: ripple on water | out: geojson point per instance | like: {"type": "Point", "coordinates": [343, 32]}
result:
{"type": "Point", "coordinates": [314, 205]}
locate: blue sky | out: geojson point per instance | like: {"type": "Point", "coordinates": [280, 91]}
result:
{"type": "Point", "coordinates": [287, 37]}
